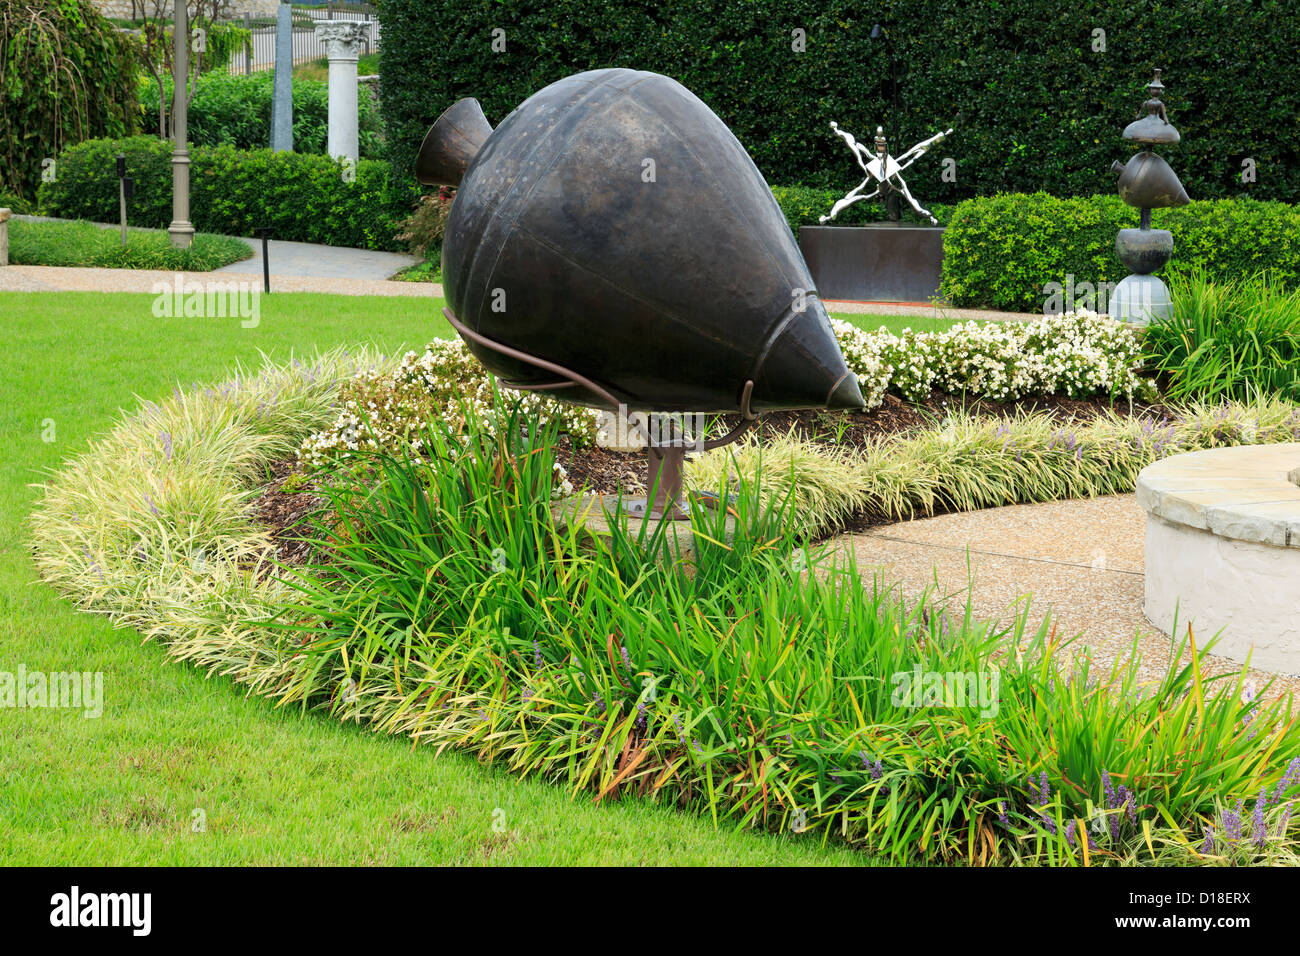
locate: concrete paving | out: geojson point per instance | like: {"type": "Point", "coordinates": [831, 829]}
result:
{"type": "Point", "coordinates": [310, 260]}
{"type": "Point", "coordinates": [289, 259]}
{"type": "Point", "coordinates": [1083, 560]}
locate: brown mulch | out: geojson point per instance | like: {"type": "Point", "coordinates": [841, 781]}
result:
{"type": "Point", "coordinates": [608, 472]}
{"type": "Point", "coordinates": [284, 513]}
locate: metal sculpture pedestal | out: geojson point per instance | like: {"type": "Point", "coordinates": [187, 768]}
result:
{"type": "Point", "coordinates": [666, 459]}
{"type": "Point", "coordinates": [881, 262]}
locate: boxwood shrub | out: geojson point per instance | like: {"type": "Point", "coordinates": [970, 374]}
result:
{"type": "Point", "coordinates": [1000, 251]}
{"type": "Point", "coordinates": [300, 197]}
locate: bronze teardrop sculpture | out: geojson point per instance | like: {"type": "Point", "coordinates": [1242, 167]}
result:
{"type": "Point", "coordinates": [614, 226]}
{"type": "Point", "coordinates": [1148, 182]}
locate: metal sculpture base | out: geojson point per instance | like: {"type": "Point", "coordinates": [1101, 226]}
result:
{"type": "Point", "coordinates": [666, 460]}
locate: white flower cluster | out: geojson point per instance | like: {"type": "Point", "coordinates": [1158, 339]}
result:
{"type": "Point", "coordinates": [1075, 354]}
{"type": "Point", "coordinates": [389, 411]}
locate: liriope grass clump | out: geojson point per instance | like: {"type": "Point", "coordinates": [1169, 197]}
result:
{"type": "Point", "coordinates": [758, 682]}
{"type": "Point", "coordinates": [971, 461]}
{"type": "Point", "coordinates": [152, 522]}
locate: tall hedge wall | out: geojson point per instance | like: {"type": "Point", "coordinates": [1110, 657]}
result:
{"type": "Point", "coordinates": [1041, 109]}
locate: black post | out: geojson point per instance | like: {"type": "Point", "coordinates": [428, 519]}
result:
{"type": "Point", "coordinates": [262, 232]}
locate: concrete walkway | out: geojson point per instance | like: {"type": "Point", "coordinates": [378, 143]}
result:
{"type": "Point", "coordinates": [299, 259]}
{"type": "Point", "coordinates": [309, 260]}
{"type": "Point", "coordinates": [1084, 560]}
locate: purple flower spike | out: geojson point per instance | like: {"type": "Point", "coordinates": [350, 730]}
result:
{"type": "Point", "coordinates": [1002, 815]}
{"type": "Point", "coordinates": [1069, 833]}
{"type": "Point", "coordinates": [1258, 828]}
{"type": "Point", "coordinates": [1207, 845]}
{"type": "Point", "coordinates": [1288, 780]}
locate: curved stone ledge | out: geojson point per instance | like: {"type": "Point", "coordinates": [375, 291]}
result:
{"type": "Point", "coordinates": [1250, 493]}
{"type": "Point", "coordinates": [1223, 550]}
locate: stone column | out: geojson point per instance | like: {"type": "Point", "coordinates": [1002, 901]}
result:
{"type": "Point", "coordinates": [282, 82]}
{"type": "Point", "coordinates": [4, 237]}
{"type": "Point", "coordinates": [342, 39]}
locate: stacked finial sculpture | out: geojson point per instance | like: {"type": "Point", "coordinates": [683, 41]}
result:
{"type": "Point", "coordinates": [1146, 182]}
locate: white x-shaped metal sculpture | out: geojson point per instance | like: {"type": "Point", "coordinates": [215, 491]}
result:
{"type": "Point", "coordinates": [883, 170]}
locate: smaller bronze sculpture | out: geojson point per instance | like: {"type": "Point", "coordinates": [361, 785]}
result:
{"type": "Point", "coordinates": [884, 170]}
{"type": "Point", "coordinates": [1146, 182]}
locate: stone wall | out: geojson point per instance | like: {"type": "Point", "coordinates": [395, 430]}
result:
{"type": "Point", "coordinates": [229, 10]}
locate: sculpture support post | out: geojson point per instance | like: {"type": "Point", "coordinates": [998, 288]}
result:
{"type": "Point", "coordinates": [342, 39]}
{"type": "Point", "coordinates": [180, 230]}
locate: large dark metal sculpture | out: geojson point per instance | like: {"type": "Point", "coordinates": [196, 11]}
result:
{"type": "Point", "coordinates": [611, 243]}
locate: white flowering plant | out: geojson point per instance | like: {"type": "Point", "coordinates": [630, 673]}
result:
{"type": "Point", "coordinates": [1077, 354]}
{"type": "Point", "coordinates": [389, 411]}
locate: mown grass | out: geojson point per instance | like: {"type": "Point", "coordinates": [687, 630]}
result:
{"type": "Point", "coordinates": [86, 244]}
{"type": "Point", "coordinates": [277, 787]}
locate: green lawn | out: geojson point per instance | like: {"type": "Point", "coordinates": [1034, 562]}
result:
{"type": "Point", "coordinates": [895, 323]}
{"type": "Point", "coordinates": [86, 244]}
{"type": "Point", "coordinates": [277, 787]}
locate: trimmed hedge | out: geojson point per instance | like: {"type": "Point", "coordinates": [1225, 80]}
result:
{"type": "Point", "coordinates": [65, 75]}
{"type": "Point", "coordinates": [301, 198]}
{"type": "Point", "coordinates": [999, 252]}
{"type": "Point", "coordinates": [234, 110]}
{"type": "Point", "coordinates": [1041, 109]}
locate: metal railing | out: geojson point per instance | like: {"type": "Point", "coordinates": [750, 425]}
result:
{"type": "Point", "coordinates": [260, 54]}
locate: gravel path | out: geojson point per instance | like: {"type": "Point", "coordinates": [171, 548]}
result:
{"type": "Point", "coordinates": [1082, 560]}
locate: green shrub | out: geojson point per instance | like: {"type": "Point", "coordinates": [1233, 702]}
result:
{"type": "Point", "coordinates": [1234, 339]}
{"type": "Point", "coordinates": [15, 204]}
{"type": "Point", "coordinates": [65, 75]}
{"type": "Point", "coordinates": [422, 232]}
{"type": "Point", "coordinates": [1040, 108]}
{"type": "Point", "coordinates": [232, 192]}
{"type": "Point", "coordinates": [1000, 252]}
{"type": "Point", "coordinates": [234, 110]}
{"type": "Point", "coordinates": [84, 244]}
